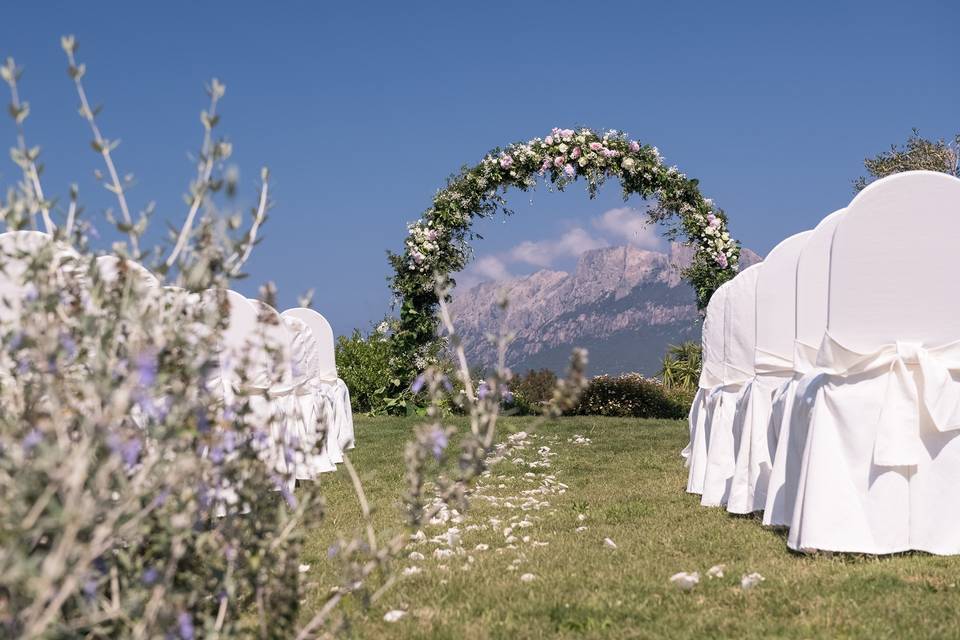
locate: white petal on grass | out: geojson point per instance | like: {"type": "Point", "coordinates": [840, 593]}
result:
{"type": "Point", "coordinates": [581, 517]}
{"type": "Point", "coordinates": [411, 571]}
{"type": "Point", "coordinates": [716, 571]}
{"type": "Point", "coordinates": [528, 577]}
{"type": "Point", "coordinates": [610, 543]}
{"type": "Point", "coordinates": [304, 568]}
{"type": "Point", "coordinates": [416, 555]}
{"type": "Point", "coordinates": [580, 529]}
{"type": "Point", "coordinates": [481, 547]}
{"type": "Point", "coordinates": [751, 580]}
{"type": "Point", "coordinates": [394, 616]}
{"type": "Point", "coordinates": [685, 581]}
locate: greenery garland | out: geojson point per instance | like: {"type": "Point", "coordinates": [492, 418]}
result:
{"type": "Point", "coordinates": [437, 243]}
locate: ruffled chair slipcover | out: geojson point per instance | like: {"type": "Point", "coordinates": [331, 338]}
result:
{"type": "Point", "coordinates": [711, 378]}
{"type": "Point", "coordinates": [882, 458]}
{"type": "Point", "coordinates": [811, 321]}
{"type": "Point", "coordinates": [340, 424]}
{"type": "Point", "coordinates": [275, 399]}
{"type": "Point", "coordinates": [739, 342]}
{"type": "Point", "coordinates": [315, 406]}
{"type": "Point", "coordinates": [773, 363]}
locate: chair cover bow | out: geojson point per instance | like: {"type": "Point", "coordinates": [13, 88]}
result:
{"type": "Point", "coordinates": [898, 429]}
{"type": "Point", "coordinates": [768, 363]}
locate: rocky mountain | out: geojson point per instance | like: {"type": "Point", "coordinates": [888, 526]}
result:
{"type": "Point", "coordinates": [622, 303]}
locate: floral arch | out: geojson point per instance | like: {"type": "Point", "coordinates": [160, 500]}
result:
{"type": "Point", "coordinates": [437, 243]}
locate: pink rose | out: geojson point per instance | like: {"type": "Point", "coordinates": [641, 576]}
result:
{"type": "Point", "coordinates": [722, 260]}
{"type": "Point", "coordinates": [548, 140]}
{"type": "Point", "coordinates": [546, 164]}
{"type": "Point", "coordinates": [575, 153]}
{"type": "Point", "coordinates": [569, 170]}
{"type": "Point", "coordinates": [558, 161]}
{"type": "Point", "coordinates": [595, 146]}
{"type": "Point", "coordinates": [634, 146]}
{"type": "Point", "coordinates": [506, 162]}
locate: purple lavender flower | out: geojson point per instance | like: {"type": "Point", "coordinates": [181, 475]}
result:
{"type": "Point", "coordinates": [147, 368]}
{"type": "Point", "coordinates": [217, 455]}
{"type": "Point", "coordinates": [333, 550]}
{"type": "Point", "coordinates": [31, 440]}
{"type": "Point", "coordinates": [90, 588]}
{"type": "Point", "coordinates": [288, 496]}
{"type": "Point", "coordinates": [507, 395]}
{"type": "Point", "coordinates": [438, 441]}
{"type": "Point", "coordinates": [130, 452]}
{"type": "Point", "coordinates": [417, 385]}
{"type": "Point", "coordinates": [185, 626]}
{"type": "Point", "coordinates": [69, 344]}
{"type": "Point", "coordinates": [150, 576]}
{"type": "Point", "coordinates": [482, 390]}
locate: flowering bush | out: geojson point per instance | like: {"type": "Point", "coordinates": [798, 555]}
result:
{"type": "Point", "coordinates": [437, 243]}
{"type": "Point", "coordinates": [136, 502]}
{"type": "Point", "coordinates": [631, 395]}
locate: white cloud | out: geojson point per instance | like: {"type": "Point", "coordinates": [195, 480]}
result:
{"type": "Point", "coordinates": [629, 224]}
{"type": "Point", "coordinates": [544, 253]}
{"type": "Point", "coordinates": [613, 227]}
{"type": "Point", "coordinates": [491, 268]}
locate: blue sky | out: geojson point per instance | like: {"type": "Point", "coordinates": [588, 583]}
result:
{"type": "Point", "coordinates": [361, 110]}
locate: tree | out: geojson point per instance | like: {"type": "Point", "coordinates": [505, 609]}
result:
{"type": "Point", "coordinates": [916, 154]}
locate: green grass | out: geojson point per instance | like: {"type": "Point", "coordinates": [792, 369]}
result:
{"type": "Point", "coordinates": [629, 483]}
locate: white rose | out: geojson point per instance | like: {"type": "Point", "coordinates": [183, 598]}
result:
{"type": "Point", "coordinates": [563, 148]}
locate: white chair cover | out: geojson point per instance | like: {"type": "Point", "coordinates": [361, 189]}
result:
{"type": "Point", "coordinates": [773, 362]}
{"type": "Point", "coordinates": [327, 381]}
{"type": "Point", "coordinates": [739, 330]}
{"type": "Point", "coordinates": [315, 407]}
{"type": "Point", "coordinates": [109, 268]}
{"type": "Point", "coordinates": [711, 377]}
{"type": "Point", "coordinates": [882, 457]}
{"type": "Point", "coordinates": [276, 394]}
{"type": "Point", "coordinates": [811, 321]}
{"type": "Point", "coordinates": [14, 287]}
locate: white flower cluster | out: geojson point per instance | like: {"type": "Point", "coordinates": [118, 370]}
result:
{"type": "Point", "coordinates": [421, 245]}
{"type": "Point", "coordinates": [715, 238]}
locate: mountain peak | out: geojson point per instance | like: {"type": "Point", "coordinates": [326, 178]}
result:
{"type": "Point", "coordinates": [623, 303]}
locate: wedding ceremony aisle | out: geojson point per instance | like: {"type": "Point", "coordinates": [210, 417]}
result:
{"type": "Point", "coordinates": [595, 560]}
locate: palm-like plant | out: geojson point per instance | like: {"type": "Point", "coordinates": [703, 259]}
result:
{"type": "Point", "coordinates": [680, 368]}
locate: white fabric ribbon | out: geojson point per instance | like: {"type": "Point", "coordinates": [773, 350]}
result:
{"type": "Point", "coordinates": [767, 363]}
{"type": "Point", "coordinates": [898, 429]}
{"type": "Point", "coordinates": [804, 357]}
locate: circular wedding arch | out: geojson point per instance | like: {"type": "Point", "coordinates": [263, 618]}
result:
{"type": "Point", "coordinates": [437, 244]}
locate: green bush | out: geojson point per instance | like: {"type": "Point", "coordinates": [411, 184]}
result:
{"type": "Point", "coordinates": [632, 395]}
{"type": "Point", "coordinates": [532, 391]}
{"type": "Point", "coordinates": [363, 364]}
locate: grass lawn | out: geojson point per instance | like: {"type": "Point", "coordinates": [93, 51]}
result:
{"type": "Point", "coordinates": [628, 484]}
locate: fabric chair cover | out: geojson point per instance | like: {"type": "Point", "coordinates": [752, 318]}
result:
{"type": "Point", "coordinates": [15, 247]}
{"type": "Point", "coordinates": [327, 381]}
{"type": "Point", "coordinates": [315, 407]}
{"type": "Point", "coordinates": [811, 321]}
{"type": "Point", "coordinates": [711, 377]}
{"type": "Point", "coordinates": [882, 458]}
{"type": "Point", "coordinates": [773, 363]}
{"type": "Point", "coordinates": [739, 331]}
{"type": "Point", "coordinates": [275, 394]}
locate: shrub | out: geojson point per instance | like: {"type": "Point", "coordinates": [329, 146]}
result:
{"type": "Point", "coordinates": [532, 391]}
{"type": "Point", "coordinates": [364, 365]}
{"type": "Point", "coordinates": [630, 395]}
